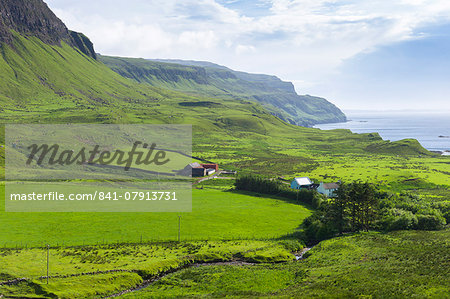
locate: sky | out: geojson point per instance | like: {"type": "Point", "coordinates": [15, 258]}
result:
{"type": "Point", "coordinates": [359, 54]}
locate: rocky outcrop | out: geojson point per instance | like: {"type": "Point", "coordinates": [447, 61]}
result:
{"type": "Point", "coordinates": [34, 18]}
{"type": "Point", "coordinates": [31, 17]}
{"type": "Point", "coordinates": [83, 43]}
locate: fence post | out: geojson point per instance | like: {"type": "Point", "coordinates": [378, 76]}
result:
{"type": "Point", "coordinates": [48, 259]}
{"type": "Point", "coordinates": [179, 228]}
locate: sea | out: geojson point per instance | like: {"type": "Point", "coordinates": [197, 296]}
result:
{"type": "Point", "coordinates": [432, 130]}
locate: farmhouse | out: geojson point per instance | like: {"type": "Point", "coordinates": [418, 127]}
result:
{"type": "Point", "coordinates": [328, 189]}
{"type": "Point", "coordinates": [302, 183]}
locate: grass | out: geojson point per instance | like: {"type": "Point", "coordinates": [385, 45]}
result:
{"type": "Point", "coordinates": [241, 135]}
{"type": "Point", "coordinates": [216, 215]}
{"type": "Point", "coordinates": [388, 170]}
{"type": "Point", "coordinates": [373, 265]}
{"type": "Point", "coordinates": [220, 281]}
{"type": "Point", "coordinates": [92, 286]}
{"type": "Point", "coordinates": [136, 262]}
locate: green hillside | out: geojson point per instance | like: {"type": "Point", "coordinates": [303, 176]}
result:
{"type": "Point", "coordinates": [56, 84]}
{"type": "Point", "coordinates": [208, 79]}
{"type": "Point", "coordinates": [46, 83]}
{"type": "Point", "coordinates": [46, 77]}
{"type": "Point", "coordinates": [212, 218]}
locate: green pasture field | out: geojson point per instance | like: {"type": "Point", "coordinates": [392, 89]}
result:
{"type": "Point", "coordinates": [386, 170]}
{"type": "Point", "coordinates": [216, 215]}
{"type": "Point", "coordinates": [401, 264]}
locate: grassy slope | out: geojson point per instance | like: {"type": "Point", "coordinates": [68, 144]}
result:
{"type": "Point", "coordinates": [395, 265]}
{"type": "Point", "coordinates": [277, 96]}
{"type": "Point", "coordinates": [145, 257]}
{"type": "Point", "coordinates": [42, 83]}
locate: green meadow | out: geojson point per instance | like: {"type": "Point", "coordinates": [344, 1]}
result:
{"type": "Point", "coordinates": [366, 265]}
{"type": "Point", "coordinates": [216, 215]}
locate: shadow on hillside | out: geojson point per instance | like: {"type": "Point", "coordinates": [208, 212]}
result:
{"type": "Point", "coordinates": [256, 194]}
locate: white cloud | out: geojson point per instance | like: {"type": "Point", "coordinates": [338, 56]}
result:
{"type": "Point", "coordinates": [198, 39]}
{"type": "Point", "coordinates": [243, 49]}
{"type": "Point", "coordinates": [206, 24]}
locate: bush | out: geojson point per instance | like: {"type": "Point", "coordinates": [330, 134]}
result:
{"type": "Point", "coordinates": [292, 245]}
{"type": "Point", "coordinates": [430, 222]}
{"type": "Point", "coordinates": [398, 219]}
{"type": "Point", "coordinates": [444, 207]}
{"type": "Point", "coordinates": [317, 230]}
{"type": "Point", "coordinates": [319, 200]}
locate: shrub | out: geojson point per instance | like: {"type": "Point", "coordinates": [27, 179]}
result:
{"type": "Point", "coordinates": [319, 200]}
{"type": "Point", "coordinates": [444, 207]}
{"type": "Point", "coordinates": [317, 230]}
{"type": "Point", "coordinates": [292, 245]}
{"type": "Point", "coordinates": [430, 222]}
{"type": "Point", "coordinates": [398, 219]}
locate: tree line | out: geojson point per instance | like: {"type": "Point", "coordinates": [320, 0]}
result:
{"type": "Point", "coordinates": [356, 206]}
{"type": "Point", "coordinates": [361, 206]}
{"type": "Point", "coordinates": [273, 187]}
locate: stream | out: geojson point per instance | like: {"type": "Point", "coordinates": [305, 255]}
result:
{"type": "Point", "coordinates": [300, 255]}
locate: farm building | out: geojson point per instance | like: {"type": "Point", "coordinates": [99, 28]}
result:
{"type": "Point", "coordinates": [302, 183]}
{"type": "Point", "coordinates": [211, 166]}
{"type": "Point", "coordinates": [194, 170]}
{"type": "Point", "coordinates": [234, 172]}
{"type": "Point", "coordinates": [328, 189]}
{"type": "Point", "coordinates": [199, 170]}
{"type": "Point", "coordinates": [210, 171]}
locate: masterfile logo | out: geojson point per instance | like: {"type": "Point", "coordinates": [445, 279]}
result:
{"type": "Point", "coordinates": [96, 156]}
